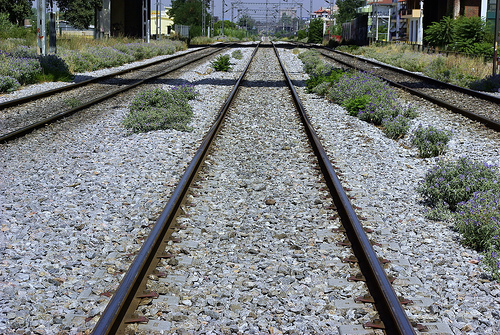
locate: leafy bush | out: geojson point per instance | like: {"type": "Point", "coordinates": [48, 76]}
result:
{"type": "Point", "coordinates": [237, 54]}
{"type": "Point", "coordinates": [332, 77]}
{"type": "Point", "coordinates": [431, 142]}
{"type": "Point", "coordinates": [468, 30]}
{"type": "Point", "coordinates": [441, 33]}
{"type": "Point", "coordinates": [158, 109]}
{"type": "Point", "coordinates": [396, 126]}
{"type": "Point", "coordinates": [450, 183]}
{"type": "Point", "coordinates": [8, 84]}
{"type": "Point", "coordinates": [221, 63]}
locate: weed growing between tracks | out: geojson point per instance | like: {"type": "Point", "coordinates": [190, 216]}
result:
{"type": "Point", "coordinates": [221, 63]}
{"type": "Point", "coordinates": [159, 109]}
{"type": "Point", "coordinates": [468, 192]}
{"type": "Point", "coordinates": [431, 142]}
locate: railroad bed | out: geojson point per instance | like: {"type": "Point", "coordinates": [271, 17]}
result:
{"type": "Point", "coordinates": [108, 182]}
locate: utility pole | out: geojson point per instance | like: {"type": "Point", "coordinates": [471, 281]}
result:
{"type": "Point", "coordinates": [420, 37]}
{"type": "Point", "coordinates": [41, 24]}
{"type": "Point", "coordinates": [495, 52]}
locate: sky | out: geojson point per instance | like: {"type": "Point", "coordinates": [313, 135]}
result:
{"type": "Point", "coordinates": [227, 16]}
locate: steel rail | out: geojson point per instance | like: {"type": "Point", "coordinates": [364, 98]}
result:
{"type": "Point", "coordinates": [25, 130]}
{"type": "Point", "coordinates": [43, 94]}
{"type": "Point", "coordinates": [387, 303]}
{"type": "Point", "coordinates": [492, 124]}
{"type": "Point", "coordinates": [124, 301]}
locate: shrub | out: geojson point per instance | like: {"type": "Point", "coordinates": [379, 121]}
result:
{"type": "Point", "coordinates": [24, 70]}
{"type": "Point", "coordinates": [158, 109]}
{"type": "Point", "coordinates": [237, 54]}
{"type": "Point", "coordinates": [441, 33]}
{"type": "Point", "coordinates": [8, 84]}
{"type": "Point", "coordinates": [221, 63]}
{"type": "Point", "coordinates": [396, 126]}
{"type": "Point", "coordinates": [431, 142]}
{"type": "Point", "coordinates": [453, 182]}
{"type": "Point", "coordinates": [478, 220]}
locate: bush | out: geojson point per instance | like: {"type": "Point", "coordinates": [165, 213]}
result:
{"type": "Point", "coordinates": [441, 33]}
{"type": "Point", "coordinates": [396, 126]}
{"type": "Point", "coordinates": [451, 183]}
{"type": "Point", "coordinates": [478, 220]}
{"type": "Point", "coordinates": [159, 109]}
{"type": "Point", "coordinates": [8, 84]}
{"type": "Point", "coordinates": [24, 70]}
{"type": "Point", "coordinates": [431, 142]}
{"type": "Point", "coordinates": [221, 63]}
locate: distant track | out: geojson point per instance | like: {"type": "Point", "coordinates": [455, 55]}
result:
{"type": "Point", "coordinates": [23, 115]}
{"type": "Point", "coordinates": [478, 106]}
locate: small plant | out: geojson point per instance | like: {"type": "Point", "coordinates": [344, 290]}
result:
{"type": "Point", "coordinates": [396, 126]}
{"type": "Point", "coordinates": [491, 259]}
{"type": "Point", "coordinates": [450, 183]}
{"type": "Point", "coordinates": [8, 84]}
{"type": "Point", "coordinates": [237, 54]}
{"type": "Point", "coordinates": [221, 63]}
{"type": "Point", "coordinates": [72, 102]}
{"type": "Point", "coordinates": [158, 109]}
{"type": "Point", "coordinates": [431, 142]}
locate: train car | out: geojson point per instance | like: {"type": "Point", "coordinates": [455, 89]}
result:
{"type": "Point", "coordinates": [356, 31]}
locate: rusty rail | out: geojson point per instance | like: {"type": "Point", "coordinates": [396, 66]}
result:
{"type": "Point", "coordinates": [124, 302]}
{"type": "Point", "coordinates": [387, 303]}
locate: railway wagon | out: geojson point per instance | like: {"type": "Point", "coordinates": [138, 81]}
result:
{"type": "Point", "coordinates": [356, 31]}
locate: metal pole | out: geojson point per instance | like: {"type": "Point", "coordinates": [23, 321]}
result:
{"type": "Point", "coordinates": [389, 27]}
{"type": "Point", "coordinates": [420, 37]}
{"type": "Point", "coordinates": [495, 52]}
{"type": "Point", "coordinates": [41, 29]}
{"type": "Point", "coordinates": [223, 9]}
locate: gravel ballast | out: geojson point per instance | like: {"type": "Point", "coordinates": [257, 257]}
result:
{"type": "Point", "coordinates": [78, 196]}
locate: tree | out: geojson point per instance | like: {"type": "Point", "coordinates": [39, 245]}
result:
{"type": "Point", "coordinates": [246, 21]}
{"type": "Point", "coordinates": [347, 10]}
{"type": "Point", "coordinates": [80, 13]}
{"type": "Point", "coordinates": [227, 25]}
{"type": "Point", "coordinates": [315, 31]}
{"type": "Point", "coordinates": [441, 33]}
{"type": "Point", "coordinates": [187, 12]}
{"type": "Point", "coordinates": [17, 10]}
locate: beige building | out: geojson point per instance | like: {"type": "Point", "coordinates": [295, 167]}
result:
{"type": "Point", "coordinates": [165, 22]}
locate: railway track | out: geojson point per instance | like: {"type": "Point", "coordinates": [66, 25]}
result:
{"type": "Point", "coordinates": [176, 284]}
{"type": "Point", "coordinates": [477, 106]}
{"type": "Point", "coordinates": [23, 115]}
